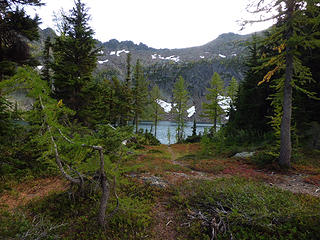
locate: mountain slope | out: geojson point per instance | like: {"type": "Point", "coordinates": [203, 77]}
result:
{"type": "Point", "coordinates": [196, 65]}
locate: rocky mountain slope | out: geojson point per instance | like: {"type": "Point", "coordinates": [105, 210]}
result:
{"type": "Point", "coordinates": [196, 65]}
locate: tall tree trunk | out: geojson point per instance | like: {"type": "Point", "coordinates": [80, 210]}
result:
{"type": "Point", "coordinates": [156, 123]}
{"type": "Point", "coordinates": [136, 121]}
{"type": "Point", "coordinates": [215, 120]}
{"type": "Point", "coordinates": [285, 130]}
{"type": "Point", "coordinates": [105, 191]}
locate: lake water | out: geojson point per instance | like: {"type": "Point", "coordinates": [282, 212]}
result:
{"type": "Point", "coordinates": [162, 129]}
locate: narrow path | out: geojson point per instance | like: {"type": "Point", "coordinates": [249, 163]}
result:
{"type": "Point", "coordinates": [294, 182]}
{"type": "Point", "coordinates": [165, 223]}
{"type": "Point", "coordinates": [193, 173]}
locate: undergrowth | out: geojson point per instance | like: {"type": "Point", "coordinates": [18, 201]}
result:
{"type": "Point", "coordinates": [248, 210]}
{"type": "Point", "coordinates": [74, 216]}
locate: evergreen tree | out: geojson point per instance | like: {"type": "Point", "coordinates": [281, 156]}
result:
{"type": "Point", "coordinates": [47, 61]}
{"type": "Point", "coordinates": [156, 110]}
{"type": "Point", "coordinates": [232, 91]}
{"type": "Point", "coordinates": [194, 128]}
{"type": "Point", "coordinates": [212, 108]}
{"type": "Point", "coordinates": [15, 28]}
{"type": "Point", "coordinates": [252, 106]}
{"type": "Point", "coordinates": [127, 97]}
{"type": "Point", "coordinates": [292, 17]}
{"type": "Point", "coordinates": [180, 100]}
{"type": "Point", "coordinates": [140, 94]}
{"type": "Point", "coordinates": [75, 57]}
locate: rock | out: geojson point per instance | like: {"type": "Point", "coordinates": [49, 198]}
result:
{"type": "Point", "coordinates": [155, 181]}
{"type": "Point", "coordinates": [244, 155]}
{"type": "Point", "coordinates": [20, 97]}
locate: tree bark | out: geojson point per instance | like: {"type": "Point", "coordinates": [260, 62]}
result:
{"type": "Point", "coordinates": [136, 122]}
{"type": "Point", "coordinates": [156, 123]}
{"type": "Point", "coordinates": [215, 119]}
{"type": "Point", "coordinates": [285, 130]}
{"type": "Point", "coordinates": [105, 191]}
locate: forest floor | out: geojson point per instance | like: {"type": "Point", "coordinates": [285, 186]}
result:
{"type": "Point", "coordinates": [168, 167]}
{"type": "Point", "coordinates": [173, 165]}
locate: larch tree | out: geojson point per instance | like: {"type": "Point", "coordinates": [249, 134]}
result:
{"type": "Point", "coordinates": [212, 108]}
{"type": "Point", "coordinates": [156, 110]}
{"type": "Point", "coordinates": [75, 57]}
{"type": "Point", "coordinates": [232, 91]}
{"type": "Point", "coordinates": [180, 100]}
{"type": "Point", "coordinates": [126, 95]}
{"type": "Point", "coordinates": [140, 93]}
{"type": "Point", "coordinates": [291, 18]}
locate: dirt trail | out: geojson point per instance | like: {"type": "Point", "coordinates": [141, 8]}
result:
{"type": "Point", "coordinates": [165, 223]}
{"type": "Point", "coordinates": [294, 182]}
{"type": "Point", "coordinates": [193, 173]}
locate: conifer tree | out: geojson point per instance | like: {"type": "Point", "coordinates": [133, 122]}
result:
{"type": "Point", "coordinates": [180, 100]}
{"type": "Point", "coordinates": [292, 17]}
{"type": "Point", "coordinates": [252, 115]}
{"type": "Point", "coordinates": [232, 91]}
{"type": "Point", "coordinates": [194, 127]}
{"type": "Point", "coordinates": [156, 109]}
{"type": "Point", "coordinates": [140, 93]}
{"type": "Point", "coordinates": [127, 97]}
{"type": "Point", "coordinates": [15, 28]}
{"type": "Point", "coordinates": [75, 57]}
{"type": "Point", "coordinates": [47, 61]}
{"type": "Point", "coordinates": [212, 108]}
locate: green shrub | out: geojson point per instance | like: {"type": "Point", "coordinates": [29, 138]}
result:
{"type": "Point", "coordinates": [250, 210]}
{"type": "Point", "coordinates": [265, 157]}
{"type": "Point", "coordinates": [77, 213]}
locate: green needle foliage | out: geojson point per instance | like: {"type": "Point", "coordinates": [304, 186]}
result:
{"type": "Point", "coordinates": [140, 94]}
{"type": "Point", "coordinates": [15, 28]}
{"type": "Point", "coordinates": [180, 100]}
{"type": "Point", "coordinates": [156, 110]}
{"type": "Point", "coordinates": [288, 36]}
{"type": "Point", "coordinates": [232, 91]}
{"type": "Point", "coordinates": [75, 57]}
{"type": "Point", "coordinates": [212, 109]}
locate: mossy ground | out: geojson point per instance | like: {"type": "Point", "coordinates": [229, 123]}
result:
{"type": "Point", "coordinates": [254, 202]}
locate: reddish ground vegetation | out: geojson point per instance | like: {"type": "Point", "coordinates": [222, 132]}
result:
{"type": "Point", "coordinates": [184, 149]}
{"type": "Point", "coordinates": [315, 180]}
{"type": "Point", "coordinates": [27, 191]}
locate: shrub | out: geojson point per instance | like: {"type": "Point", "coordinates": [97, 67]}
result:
{"type": "Point", "coordinates": [249, 210]}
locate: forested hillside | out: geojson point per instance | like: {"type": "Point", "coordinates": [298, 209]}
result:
{"type": "Point", "coordinates": [77, 162]}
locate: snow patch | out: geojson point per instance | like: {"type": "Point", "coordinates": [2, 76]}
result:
{"type": "Point", "coordinates": [191, 111]}
{"type": "Point", "coordinates": [39, 67]}
{"type": "Point", "coordinates": [166, 106]}
{"type": "Point", "coordinates": [102, 62]}
{"type": "Point", "coordinates": [234, 55]}
{"type": "Point", "coordinates": [202, 57]}
{"type": "Point", "coordinates": [224, 102]}
{"type": "Point", "coordinates": [172, 58]}
{"type": "Point", "coordinates": [223, 56]}
{"type": "Point", "coordinates": [101, 52]}
{"type": "Point", "coordinates": [154, 56]}
{"type": "Point", "coordinates": [122, 51]}
{"type": "Point", "coordinates": [112, 53]}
